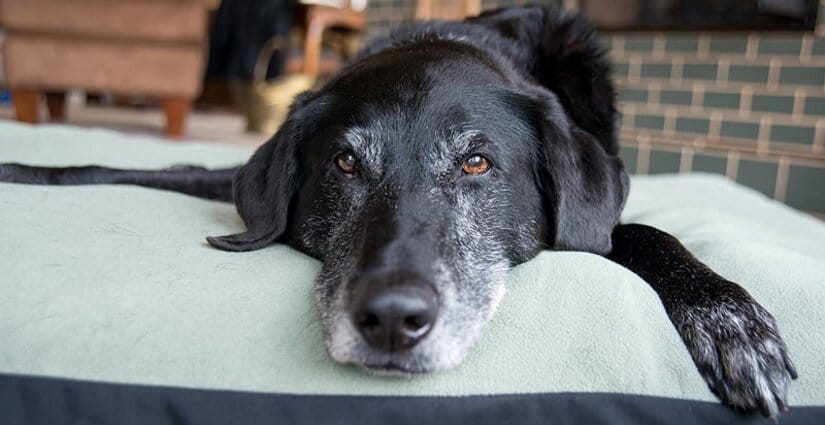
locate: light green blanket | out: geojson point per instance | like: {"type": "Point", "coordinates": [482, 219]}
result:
{"type": "Point", "coordinates": [116, 283]}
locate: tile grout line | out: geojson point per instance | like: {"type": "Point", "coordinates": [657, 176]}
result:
{"type": "Point", "coordinates": [745, 103]}
{"type": "Point", "coordinates": [773, 73]}
{"type": "Point", "coordinates": [732, 168]}
{"type": "Point", "coordinates": [707, 58]}
{"type": "Point", "coordinates": [670, 122]}
{"type": "Point", "coordinates": [686, 160]}
{"type": "Point", "coordinates": [677, 69]}
{"type": "Point", "coordinates": [634, 69]}
{"type": "Point", "coordinates": [807, 47]}
{"type": "Point", "coordinates": [658, 46]}
{"type": "Point", "coordinates": [763, 139]}
{"type": "Point", "coordinates": [750, 51]}
{"type": "Point", "coordinates": [701, 143]}
{"type": "Point", "coordinates": [732, 86]}
{"type": "Point", "coordinates": [621, 44]}
{"type": "Point", "coordinates": [715, 125]}
{"type": "Point", "coordinates": [696, 111]}
{"type": "Point", "coordinates": [643, 161]}
{"type": "Point", "coordinates": [723, 71]}
{"type": "Point", "coordinates": [798, 103]}
{"type": "Point", "coordinates": [781, 179]}
{"type": "Point", "coordinates": [819, 137]}
{"type": "Point", "coordinates": [698, 90]}
{"type": "Point", "coordinates": [702, 46]}
{"type": "Point", "coordinates": [654, 93]}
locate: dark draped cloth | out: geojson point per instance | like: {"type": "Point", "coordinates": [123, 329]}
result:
{"type": "Point", "coordinates": [240, 29]}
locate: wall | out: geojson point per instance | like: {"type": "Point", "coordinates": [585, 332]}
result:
{"type": "Point", "coordinates": [747, 105]}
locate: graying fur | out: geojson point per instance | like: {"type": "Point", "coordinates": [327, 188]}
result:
{"type": "Point", "coordinates": [738, 351]}
{"type": "Point", "coordinates": [471, 265]}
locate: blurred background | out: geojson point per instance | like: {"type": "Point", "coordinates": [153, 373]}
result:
{"type": "Point", "coordinates": [734, 87]}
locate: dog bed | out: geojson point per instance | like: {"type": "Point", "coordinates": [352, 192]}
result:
{"type": "Point", "coordinates": [113, 309]}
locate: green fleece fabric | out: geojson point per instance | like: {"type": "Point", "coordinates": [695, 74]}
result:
{"type": "Point", "coordinates": [116, 283]}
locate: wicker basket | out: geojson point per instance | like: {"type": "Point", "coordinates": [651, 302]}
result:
{"type": "Point", "coordinates": [266, 103]}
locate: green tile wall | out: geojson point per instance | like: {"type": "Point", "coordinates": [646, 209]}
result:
{"type": "Point", "coordinates": [780, 45]}
{"type": "Point", "coordinates": [664, 162]}
{"type": "Point", "coordinates": [681, 44]}
{"type": "Point", "coordinates": [700, 71]}
{"type": "Point", "coordinates": [775, 80]}
{"type": "Point", "coordinates": [805, 75]}
{"type": "Point", "coordinates": [728, 45]}
{"type": "Point", "coordinates": [815, 106]}
{"type": "Point", "coordinates": [792, 134]}
{"type": "Point", "coordinates": [629, 156]}
{"type": "Point", "coordinates": [638, 44]}
{"type": "Point", "coordinates": [805, 188]}
{"type": "Point", "coordinates": [652, 122]}
{"type": "Point", "coordinates": [633, 95]}
{"type": "Point", "coordinates": [748, 73]}
{"type": "Point", "coordinates": [758, 175]}
{"type": "Point", "coordinates": [709, 163]}
{"type": "Point", "coordinates": [655, 70]}
{"type": "Point", "coordinates": [819, 45]}
{"type": "Point", "coordinates": [676, 97]}
{"type": "Point", "coordinates": [771, 103]}
{"type": "Point", "coordinates": [721, 100]}
{"type": "Point", "coordinates": [619, 69]}
{"type": "Point", "coordinates": [692, 125]}
{"type": "Point", "coordinates": [741, 130]}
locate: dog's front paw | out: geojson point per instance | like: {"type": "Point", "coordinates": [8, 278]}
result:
{"type": "Point", "coordinates": [737, 348]}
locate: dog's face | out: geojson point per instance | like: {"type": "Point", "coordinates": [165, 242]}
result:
{"type": "Point", "coordinates": [418, 178]}
{"type": "Point", "coordinates": [422, 195]}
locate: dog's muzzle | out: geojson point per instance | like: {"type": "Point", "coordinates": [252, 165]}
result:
{"type": "Point", "coordinates": [394, 313]}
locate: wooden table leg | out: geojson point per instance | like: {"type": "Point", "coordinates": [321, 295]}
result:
{"type": "Point", "coordinates": [56, 102]}
{"type": "Point", "coordinates": [176, 111]}
{"type": "Point", "coordinates": [25, 104]}
{"type": "Point", "coordinates": [312, 46]}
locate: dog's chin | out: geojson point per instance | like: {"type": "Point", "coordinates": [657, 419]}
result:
{"type": "Point", "coordinates": [392, 369]}
{"type": "Point", "coordinates": [400, 365]}
{"type": "Point", "coordinates": [432, 356]}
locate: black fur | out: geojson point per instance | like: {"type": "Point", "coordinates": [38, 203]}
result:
{"type": "Point", "coordinates": [529, 90]}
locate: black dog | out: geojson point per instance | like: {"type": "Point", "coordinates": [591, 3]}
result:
{"type": "Point", "coordinates": [442, 156]}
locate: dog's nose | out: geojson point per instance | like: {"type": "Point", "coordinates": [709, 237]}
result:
{"type": "Point", "coordinates": [394, 318]}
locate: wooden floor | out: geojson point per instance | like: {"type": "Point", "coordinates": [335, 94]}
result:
{"type": "Point", "coordinates": [201, 125]}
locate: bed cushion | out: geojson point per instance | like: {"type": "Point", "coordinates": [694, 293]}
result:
{"type": "Point", "coordinates": [112, 306]}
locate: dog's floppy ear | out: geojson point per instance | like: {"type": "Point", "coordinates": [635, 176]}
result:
{"type": "Point", "coordinates": [584, 187]}
{"type": "Point", "coordinates": [561, 51]}
{"type": "Point", "coordinates": [263, 190]}
{"type": "Point", "coordinates": [583, 182]}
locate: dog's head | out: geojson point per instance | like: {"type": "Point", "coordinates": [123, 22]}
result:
{"type": "Point", "coordinates": [419, 176]}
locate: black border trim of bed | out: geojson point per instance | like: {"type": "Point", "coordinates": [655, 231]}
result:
{"type": "Point", "coordinates": [37, 400]}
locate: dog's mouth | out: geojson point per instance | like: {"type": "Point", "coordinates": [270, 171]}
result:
{"type": "Point", "coordinates": [392, 369]}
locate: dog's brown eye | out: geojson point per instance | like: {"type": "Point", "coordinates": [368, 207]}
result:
{"type": "Point", "coordinates": [476, 165]}
{"type": "Point", "coordinates": [347, 162]}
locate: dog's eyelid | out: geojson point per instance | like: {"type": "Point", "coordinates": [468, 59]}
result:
{"type": "Point", "coordinates": [348, 163]}
{"type": "Point", "coordinates": [477, 164]}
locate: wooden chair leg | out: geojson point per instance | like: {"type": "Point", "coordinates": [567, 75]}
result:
{"type": "Point", "coordinates": [176, 111]}
{"type": "Point", "coordinates": [312, 46]}
{"type": "Point", "coordinates": [25, 104]}
{"type": "Point", "coordinates": [56, 102]}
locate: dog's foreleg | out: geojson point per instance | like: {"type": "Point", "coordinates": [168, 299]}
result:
{"type": "Point", "coordinates": [732, 339]}
{"type": "Point", "coordinates": [191, 180]}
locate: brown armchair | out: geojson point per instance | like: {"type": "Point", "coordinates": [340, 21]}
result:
{"type": "Point", "coordinates": [144, 47]}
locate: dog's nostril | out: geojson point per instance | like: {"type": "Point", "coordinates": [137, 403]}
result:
{"type": "Point", "coordinates": [369, 321]}
{"type": "Point", "coordinates": [417, 323]}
